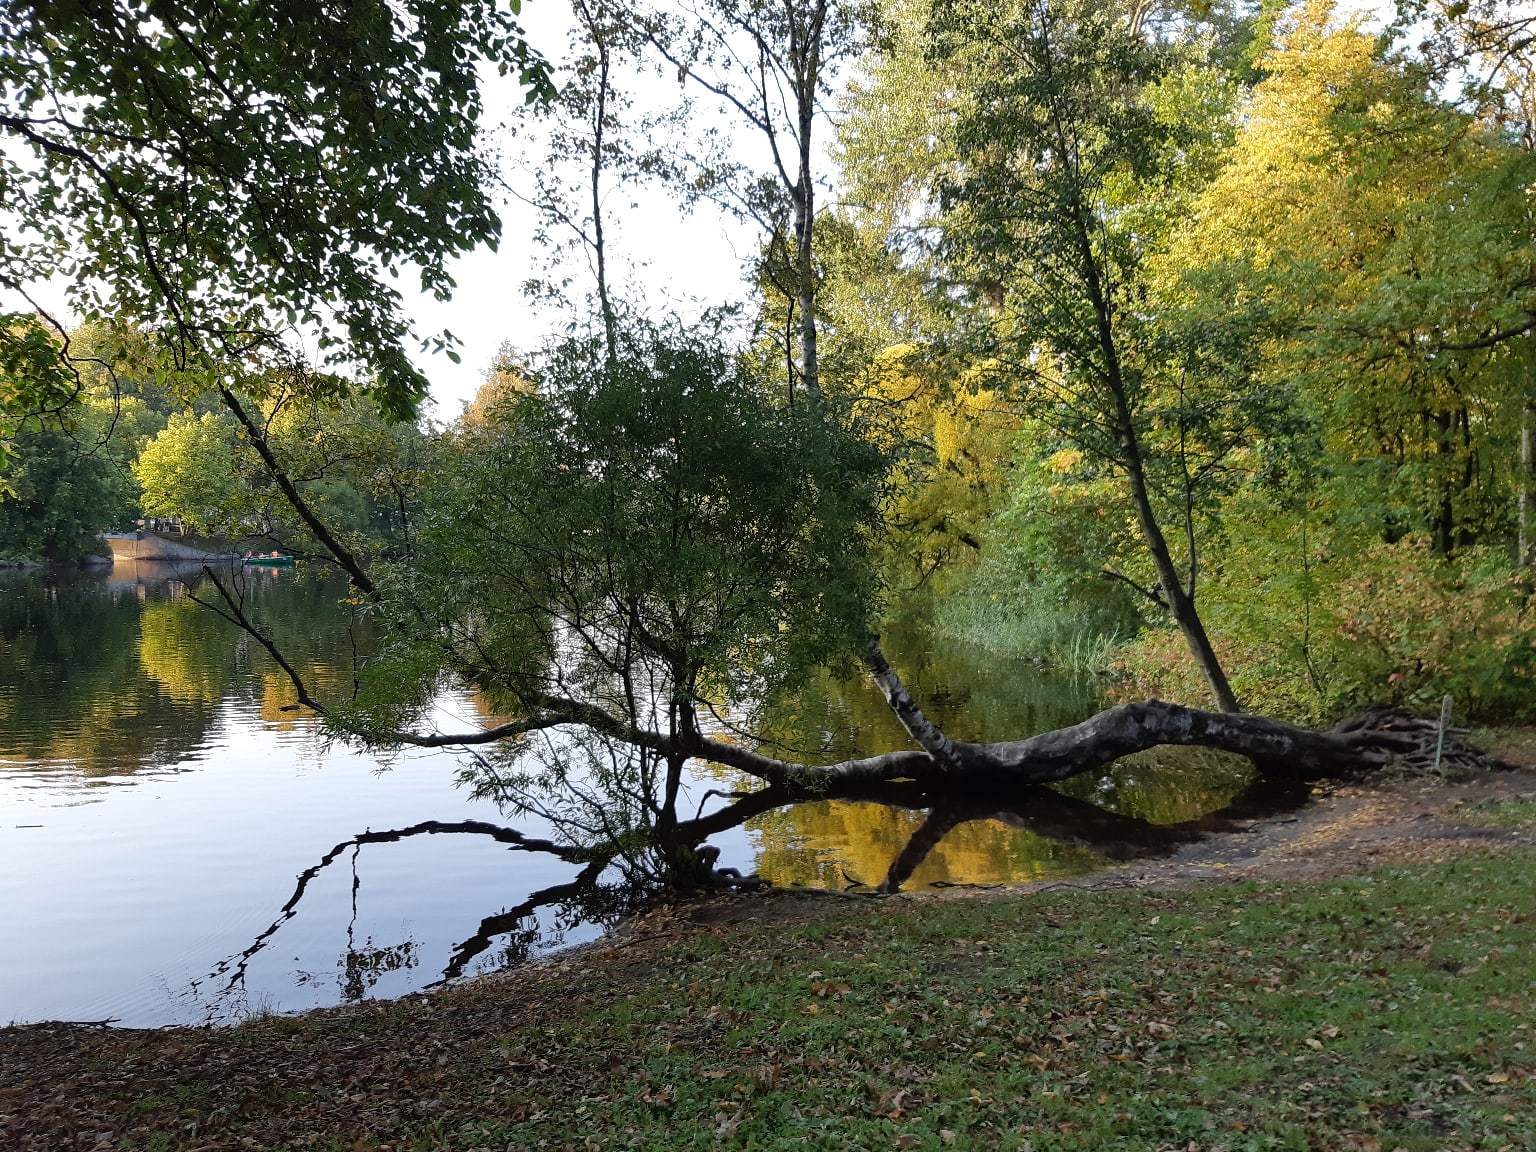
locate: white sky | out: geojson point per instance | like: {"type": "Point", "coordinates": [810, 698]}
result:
{"type": "Point", "coordinates": [659, 256]}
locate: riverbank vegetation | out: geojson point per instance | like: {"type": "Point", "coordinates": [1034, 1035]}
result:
{"type": "Point", "coordinates": [1189, 342]}
{"type": "Point", "coordinates": [128, 447]}
{"type": "Point", "coordinates": [1383, 1010]}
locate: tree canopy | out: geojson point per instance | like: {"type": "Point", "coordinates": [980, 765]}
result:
{"type": "Point", "coordinates": [1187, 343]}
{"type": "Point", "coordinates": [226, 174]}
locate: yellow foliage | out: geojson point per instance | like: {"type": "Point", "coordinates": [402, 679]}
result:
{"type": "Point", "coordinates": [174, 650]}
{"type": "Point", "coordinates": [1065, 461]}
{"type": "Point", "coordinates": [1293, 191]}
{"type": "Point", "coordinates": [961, 436]}
{"type": "Point", "coordinates": [825, 844]}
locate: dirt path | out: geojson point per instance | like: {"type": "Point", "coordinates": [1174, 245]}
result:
{"type": "Point", "coordinates": [1350, 829]}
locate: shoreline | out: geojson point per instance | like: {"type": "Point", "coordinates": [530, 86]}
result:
{"type": "Point", "coordinates": [1343, 829]}
{"type": "Point", "coordinates": [1252, 991]}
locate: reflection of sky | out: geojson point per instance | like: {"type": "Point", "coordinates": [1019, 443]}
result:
{"type": "Point", "coordinates": [112, 907]}
{"type": "Point", "coordinates": [130, 872]}
{"type": "Point", "coordinates": [155, 809]}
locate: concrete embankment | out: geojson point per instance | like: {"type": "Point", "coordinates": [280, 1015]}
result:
{"type": "Point", "coordinates": [149, 546]}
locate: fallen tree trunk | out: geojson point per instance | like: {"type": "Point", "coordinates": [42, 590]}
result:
{"type": "Point", "coordinates": [1373, 740]}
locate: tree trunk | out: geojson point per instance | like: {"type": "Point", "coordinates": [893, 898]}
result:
{"type": "Point", "coordinates": [1527, 546]}
{"type": "Point", "coordinates": [1181, 601]}
{"type": "Point", "coordinates": [1370, 741]}
{"type": "Point", "coordinates": [805, 55]}
{"type": "Point", "coordinates": [599, 40]}
{"type": "Point", "coordinates": [805, 253]}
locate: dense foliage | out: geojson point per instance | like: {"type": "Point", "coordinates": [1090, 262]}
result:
{"type": "Point", "coordinates": [1313, 254]}
{"type": "Point", "coordinates": [1193, 340]}
{"type": "Point", "coordinates": [222, 172]}
{"type": "Point", "coordinates": [650, 534]}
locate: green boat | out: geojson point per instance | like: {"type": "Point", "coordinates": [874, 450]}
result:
{"type": "Point", "coordinates": [275, 561]}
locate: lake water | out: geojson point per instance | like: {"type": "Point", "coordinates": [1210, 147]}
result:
{"type": "Point", "coordinates": [158, 799]}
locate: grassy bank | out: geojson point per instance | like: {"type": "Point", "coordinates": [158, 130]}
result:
{"type": "Point", "coordinates": [1385, 1011]}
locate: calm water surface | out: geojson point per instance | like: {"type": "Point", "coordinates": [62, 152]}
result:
{"type": "Point", "coordinates": [157, 801]}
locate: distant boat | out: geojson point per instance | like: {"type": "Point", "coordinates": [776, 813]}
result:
{"type": "Point", "coordinates": [275, 560]}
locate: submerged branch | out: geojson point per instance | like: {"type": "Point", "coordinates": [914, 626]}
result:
{"type": "Point", "coordinates": [508, 920]}
{"type": "Point", "coordinates": [554, 711]}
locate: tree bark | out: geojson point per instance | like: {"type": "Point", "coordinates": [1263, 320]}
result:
{"type": "Point", "coordinates": [1181, 601]}
{"type": "Point", "coordinates": [1527, 544]}
{"type": "Point", "coordinates": [923, 731]}
{"type": "Point", "coordinates": [805, 259]}
{"type": "Point", "coordinates": [1370, 741]}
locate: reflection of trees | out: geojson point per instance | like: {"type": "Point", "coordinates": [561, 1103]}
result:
{"type": "Point", "coordinates": [110, 675]}
{"type": "Point", "coordinates": [582, 899]}
{"type": "Point", "coordinates": [906, 836]}
{"type": "Point", "coordinates": [831, 843]}
{"type": "Point", "coordinates": [981, 698]}
{"type": "Point", "coordinates": [72, 689]}
{"type": "Point", "coordinates": [1166, 785]}
{"type": "Point", "coordinates": [189, 653]}
{"type": "Point", "coordinates": [365, 964]}
{"type": "Point", "coordinates": [902, 837]}
{"type": "Point", "coordinates": [971, 695]}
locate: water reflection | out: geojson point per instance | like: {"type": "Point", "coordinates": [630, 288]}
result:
{"type": "Point", "coordinates": [841, 844]}
{"type": "Point", "coordinates": [210, 794]}
{"type": "Point", "coordinates": [979, 697]}
{"type": "Point", "coordinates": [112, 673]}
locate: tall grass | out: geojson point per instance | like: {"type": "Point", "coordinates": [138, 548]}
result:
{"type": "Point", "coordinates": [1046, 634]}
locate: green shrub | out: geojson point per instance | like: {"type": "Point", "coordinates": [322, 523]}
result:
{"type": "Point", "coordinates": [1346, 628]}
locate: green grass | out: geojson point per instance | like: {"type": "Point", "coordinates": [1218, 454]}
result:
{"type": "Point", "coordinates": [1501, 814]}
{"type": "Point", "coordinates": [1387, 1011]}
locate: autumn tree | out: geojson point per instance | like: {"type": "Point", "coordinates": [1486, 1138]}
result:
{"type": "Point", "coordinates": [1070, 125]}
{"type": "Point", "coordinates": [1482, 49]}
{"type": "Point", "coordinates": [627, 554]}
{"type": "Point", "coordinates": [1391, 292]}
